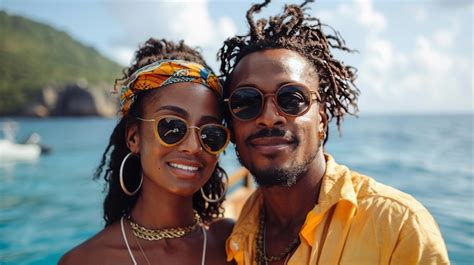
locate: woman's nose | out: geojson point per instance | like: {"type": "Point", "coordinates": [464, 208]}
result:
{"type": "Point", "coordinates": [191, 144]}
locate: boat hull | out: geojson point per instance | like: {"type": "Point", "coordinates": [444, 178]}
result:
{"type": "Point", "coordinates": [12, 151]}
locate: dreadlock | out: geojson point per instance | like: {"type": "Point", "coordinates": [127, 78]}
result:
{"type": "Point", "coordinates": [298, 31]}
{"type": "Point", "coordinates": [117, 203]}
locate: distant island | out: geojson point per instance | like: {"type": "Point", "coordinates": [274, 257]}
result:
{"type": "Point", "coordinates": [45, 72]}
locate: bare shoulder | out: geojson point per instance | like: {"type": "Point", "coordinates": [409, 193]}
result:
{"type": "Point", "coordinates": [218, 232]}
{"type": "Point", "coordinates": [79, 254]}
{"type": "Point", "coordinates": [221, 228]}
{"type": "Point", "coordinates": [93, 250]}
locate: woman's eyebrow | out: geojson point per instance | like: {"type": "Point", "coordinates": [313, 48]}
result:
{"type": "Point", "coordinates": [178, 110]}
{"type": "Point", "coordinates": [185, 114]}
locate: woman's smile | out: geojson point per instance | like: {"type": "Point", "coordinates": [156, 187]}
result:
{"type": "Point", "coordinates": [185, 169]}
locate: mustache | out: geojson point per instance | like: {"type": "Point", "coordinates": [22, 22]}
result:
{"type": "Point", "coordinates": [274, 132]}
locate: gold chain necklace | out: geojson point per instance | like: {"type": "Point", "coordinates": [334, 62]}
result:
{"type": "Point", "coordinates": [157, 234]}
{"type": "Point", "coordinates": [261, 256]}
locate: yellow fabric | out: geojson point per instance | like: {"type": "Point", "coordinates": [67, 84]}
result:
{"type": "Point", "coordinates": [166, 72]}
{"type": "Point", "coordinates": [371, 223]}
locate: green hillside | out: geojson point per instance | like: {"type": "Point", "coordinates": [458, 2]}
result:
{"type": "Point", "coordinates": [33, 55]}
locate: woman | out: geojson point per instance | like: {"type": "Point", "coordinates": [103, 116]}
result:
{"type": "Point", "coordinates": [165, 186]}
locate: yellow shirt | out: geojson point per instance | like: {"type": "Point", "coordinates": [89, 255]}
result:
{"type": "Point", "coordinates": [357, 221]}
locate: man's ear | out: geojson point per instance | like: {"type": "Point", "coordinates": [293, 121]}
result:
{"type": "Point", "coordinates": [323, 117]}
{"type": "Point", "coordinates": [132, 138]}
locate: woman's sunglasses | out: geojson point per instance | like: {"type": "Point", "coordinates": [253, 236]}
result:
{"type": "Point", "coordinates": [171, 130]}
{"type": "Point", "coordinates": [246, 103]}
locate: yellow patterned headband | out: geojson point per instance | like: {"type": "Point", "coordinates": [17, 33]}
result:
{"type": "Point", "coordinates": [162, 73]}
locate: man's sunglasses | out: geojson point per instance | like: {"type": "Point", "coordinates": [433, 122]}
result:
{"type": "Point", "coordinates": [246, 103]}
{"type": "Point", "coordinates": [172, 130]}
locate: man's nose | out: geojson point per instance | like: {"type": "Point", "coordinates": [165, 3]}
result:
{"type": "Point", "coordinates": [270, 117]}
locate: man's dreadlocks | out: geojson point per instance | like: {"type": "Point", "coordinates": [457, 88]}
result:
{"type": "Point", "coordinates": [295, 30]}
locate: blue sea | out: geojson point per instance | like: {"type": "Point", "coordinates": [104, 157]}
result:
{"type": "Point", "coordinates": [49, 205]}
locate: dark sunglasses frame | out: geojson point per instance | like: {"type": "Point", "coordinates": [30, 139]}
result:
{"type": "Point", "coordinates": [313, 97]}
{"type": "Point", "coordinates": [188, 129]}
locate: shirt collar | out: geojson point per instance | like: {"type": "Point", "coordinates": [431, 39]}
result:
{"type": "Point", "coordinates": [337, 186]}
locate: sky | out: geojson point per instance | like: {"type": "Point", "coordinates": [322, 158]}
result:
{"type": "Point", "coordinates": [414, 57]}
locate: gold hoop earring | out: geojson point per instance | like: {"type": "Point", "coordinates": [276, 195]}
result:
{"type": "Point", "coordinates": [122, 183]}
{"type": "Point", "coordinates": [322, 136]}
{"type": "Point", "coordinates": [209, 198]}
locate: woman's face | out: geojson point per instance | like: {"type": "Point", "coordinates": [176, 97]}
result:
{"type": "Point", "coordinates": [184, 168]}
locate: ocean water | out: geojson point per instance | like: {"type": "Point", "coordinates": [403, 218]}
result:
{"type": "Point", "coordinates": [49, 205]}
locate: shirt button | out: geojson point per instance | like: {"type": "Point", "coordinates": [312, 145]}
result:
{"type": "Point", "coordinates": [235, 245]}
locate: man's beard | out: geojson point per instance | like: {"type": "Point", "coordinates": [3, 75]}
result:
{"type": "Point", "coordinates": [282, 177]}
{"type": "Point", "coordinates": [277, 176]}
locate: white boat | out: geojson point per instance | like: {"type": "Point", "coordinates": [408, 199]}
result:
{"type": "Point", "coordinates": [10, 150]}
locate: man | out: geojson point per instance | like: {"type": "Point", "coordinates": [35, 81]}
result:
{"type": "Point", "coordinates": [283, 86]}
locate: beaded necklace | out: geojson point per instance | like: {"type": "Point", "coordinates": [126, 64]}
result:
{"type": "Point", "coordinates": [261, 257]}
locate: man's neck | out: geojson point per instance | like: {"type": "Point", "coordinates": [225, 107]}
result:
{"type": "Point", "coordinates": [288, 206]}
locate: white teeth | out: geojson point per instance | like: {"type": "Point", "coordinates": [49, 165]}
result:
{"type": "Point", "coordinates": [183, 167]}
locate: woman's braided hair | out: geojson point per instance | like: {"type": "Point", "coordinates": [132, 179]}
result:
{"type": "Point", "coordinates": [117, 203]}
{"type": "Point", "coordinates": [298, 31]}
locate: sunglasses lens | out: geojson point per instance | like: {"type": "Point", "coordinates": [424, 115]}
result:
{"type": "Point", "coordinates": [293, 100]}
{"type": "Point", "coordinates": [171, 130]}
{"type": "Point", "coordinates": [214, 138]}
{"type": "Point", "coordinates": [245, 103]}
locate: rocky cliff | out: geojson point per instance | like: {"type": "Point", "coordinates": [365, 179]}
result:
{"type": "Point", "coordinates": [74, 99]}
{"type": "Point", "coordinates": [39, 71]}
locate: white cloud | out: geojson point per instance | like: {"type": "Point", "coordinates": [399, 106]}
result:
{"type": "Point", "coordinates": [430, 58]}
{"type": "Point", "coordinates": [419, 14]}
{"type": "Point", "coordinates": [172, 20]}
{"type": "Point", "coordinates": [445, 37]}
{"type": "Point", "coordinates": [369, 18]}
{"type": "Point", "coordinates": [342, 10]}
{"type": "Point", "coordinates": [379, 66]}
{"type": "Point", "coordinates": [443, 73]}
{"type": "Point", "coordinates": [195, 25]}
{"type": "Point", "coordinates": [381, 54]}
{"type": "Point", "coordinates": [226, 27]}
{"type": "Point", "coordinates": [432, 78]}
{"type": "Point", "coordinates": [416, 70]}
{"type": "Point", "coordinates": [122, 55]}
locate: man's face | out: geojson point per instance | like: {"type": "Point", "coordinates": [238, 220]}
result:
{"type": "Point", "coordinates": [277, 149]}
